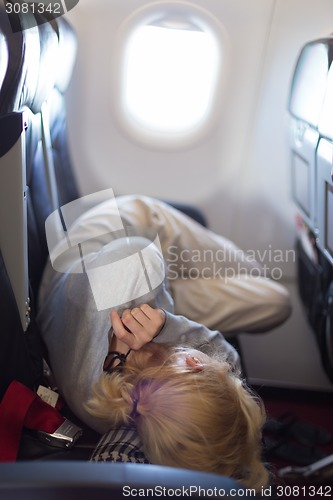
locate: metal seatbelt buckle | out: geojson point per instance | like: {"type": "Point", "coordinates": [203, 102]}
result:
{"type": "Point", "coordinates": [64, 437]}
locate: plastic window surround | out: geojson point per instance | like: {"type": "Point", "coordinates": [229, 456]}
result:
{"type": "Point", "coordinates": [195, 125]}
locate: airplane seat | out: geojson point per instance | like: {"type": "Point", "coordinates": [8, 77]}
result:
{"type": "Point", "coordinates": [32, 115]}
{"type": "Point", "coordinates": [311, 146]}
{"type": "Point", "coordinates": [66, 183]}
{"type": "Point", "coordinates": [306, 99]}
{"type": "Point", "coordinates": [324, 192]}
{"type": "Point", "coordinates": [49, 173]}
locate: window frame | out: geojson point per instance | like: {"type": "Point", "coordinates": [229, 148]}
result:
{"type": "Point", "coordinates": [146, 15]}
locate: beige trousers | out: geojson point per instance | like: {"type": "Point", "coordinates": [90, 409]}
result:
{"type": "Point", "coordinates": [211, 280]}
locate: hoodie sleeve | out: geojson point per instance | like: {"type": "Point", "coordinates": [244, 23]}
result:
{"type": "Point", "coordinates": [180, 330]}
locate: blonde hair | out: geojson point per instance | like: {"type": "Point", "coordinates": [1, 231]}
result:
{"type": "Point", "coordinates": [206, 420]}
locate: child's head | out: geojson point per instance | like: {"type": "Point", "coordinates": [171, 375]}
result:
{"type": "Point", "coordinates": [190, 411]}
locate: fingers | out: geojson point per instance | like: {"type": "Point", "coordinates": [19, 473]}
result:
{"type": "Point", "coordinates": [144, 320]}
{"type": "Point", "coordinates": [118, 328]}
{"type": "Point", "coordinates": [138, 326]}
{"type": "Point", "coordinates": [145, 315]}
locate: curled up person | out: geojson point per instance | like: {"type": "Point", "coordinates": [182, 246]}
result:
{"type": "Point", "coordinates": [132, 345]}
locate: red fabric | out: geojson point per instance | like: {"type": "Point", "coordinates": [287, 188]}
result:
{"type": "Point", "coordinates": [21, 407]}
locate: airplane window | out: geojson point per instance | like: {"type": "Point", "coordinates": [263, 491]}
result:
{"type": "Point", "coordinates": [170, 76]}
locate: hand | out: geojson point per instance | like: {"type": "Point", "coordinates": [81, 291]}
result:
{"type": "Point", "coordinates": [137, 326]}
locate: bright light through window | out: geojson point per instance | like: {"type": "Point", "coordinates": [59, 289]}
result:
{"type": "Point", "coordinates": [170, 78]}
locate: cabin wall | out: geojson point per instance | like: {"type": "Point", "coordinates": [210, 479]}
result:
{"type": "Point", "coordinates": [238, 174]}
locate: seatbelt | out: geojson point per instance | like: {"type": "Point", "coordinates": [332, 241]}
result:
{"type": "Point", "coordinates": [21, 407]}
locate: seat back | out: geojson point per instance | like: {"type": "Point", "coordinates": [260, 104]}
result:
{"type": "Point", "coordinates": [36, 176]}
{"type": "Point", "coordinates": [306, 101]}
{"type": "Point", "coordinates": [311, 145]}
